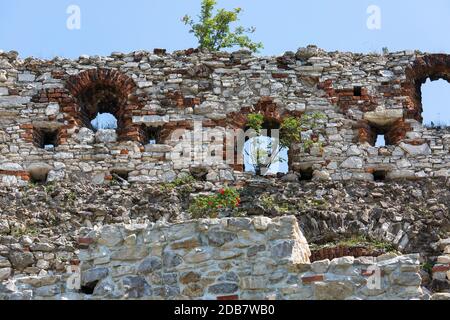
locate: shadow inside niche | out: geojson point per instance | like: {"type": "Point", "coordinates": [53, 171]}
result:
{"type": "Point", "coordinates": [89, 287]}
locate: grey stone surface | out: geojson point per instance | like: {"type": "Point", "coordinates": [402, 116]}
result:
{"type": "Point", "coordinates": [171, 273]}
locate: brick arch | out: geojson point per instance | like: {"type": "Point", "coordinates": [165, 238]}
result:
{"type": "Point", "coordinates": [111, 86]}
{"type": "Point", "coordinates": [430, 66]}
{"type": "Point", "coordinates": [265, 106]}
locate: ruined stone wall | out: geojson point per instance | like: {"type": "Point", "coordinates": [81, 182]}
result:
{"type": "Point", "coordinates": [42, 227]}
{"type": "Point", "coordinates": [39, 225]}
{"type": "Point", "coordinates": [235, 258]}
{"type": "Point", "coordinates": [360, 95]}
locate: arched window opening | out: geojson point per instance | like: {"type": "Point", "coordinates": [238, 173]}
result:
{"type": "Point", "coordinates": [436, 103]}
{"type": "Point", "coordinates": [263, 153]}
{"type": "Point", "coordinates": [380, 136]}
{"type": "Point", "coordinates": [103, 99]}
{"type": "Point", "coordinates": [100, 107]}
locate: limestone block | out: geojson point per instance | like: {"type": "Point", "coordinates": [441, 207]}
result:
{"type": "Point", "coordinates": [154, 121]}
{"type": "Point", "coordinates": [13, 101]}
{"type": "Point", "coordinates": [333, 290]}
{"type": "Point", "coordinates": [85, 136]}
{"type": "Point", "coordinates": [352, 163]}
{"type": "Point", "coordinates": [39, 170]}
{"type": "Point", "coordinates": [3, 76]}
{"type": "Point", "coordinates": [5, 273]}
{"type": "Point", "coordinates": [10, 166]}
{"type": "Point", "coordinates": [52, 109]}
{"type": "Point", "coordinates": [414, 150]}
{"type": "Point", "coordinates": [106, 136]}
{"type": "Point", "coordinates": [383, 117]}
{"type": "Point", "coordinates": [26, 77]}
{"type": "Point", "coordinates": [4, 91]}
{"type": "Point", "coordinates": [320, 266]}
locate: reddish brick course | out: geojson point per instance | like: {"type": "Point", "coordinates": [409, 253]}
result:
{"type": "Point", "coordinates": [367, 273]}
{"type": "Point", "coordinates": [85, 241]}
{"type": "Point", "coordinates": [224, 298]}
{"type": "Point", "coordinates": [441, 268]}
{"type": "Point", "coordinates": [311, 279]}
{"type": "Point", "coordinates": [24, 175]}
{"type": "Point", "coordinates": [345, 98]}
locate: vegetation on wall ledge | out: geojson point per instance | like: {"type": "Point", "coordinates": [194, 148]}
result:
{"type": "Point", "coordinates": [210, 206]}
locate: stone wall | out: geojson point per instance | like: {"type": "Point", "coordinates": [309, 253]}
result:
{"type": "Point", "coordinates": [441, 270]}
{"type": "Point", "coordinates": [361, 96]}
{"type": "Point", "coordinates": [234, 258]}
{"type": "Point", "coordinates": [392, 213]}
{"type": "Point", "coordinates": [88, 212]}
{"type": "Point", "coordinates": [39, 225]}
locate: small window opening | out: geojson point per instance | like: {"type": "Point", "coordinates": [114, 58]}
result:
{"type": "Point", "coordinates": [357, 91]}
{"type": "Point", "coordinates": [88, 288]}
{"type": "Point", "coordinates": [379, 175]}
{"type": "Point", "coordinates": [380, 136]}
{"type": "Point", "coordinates": [153, 135]}
{"type": "Point", "coordinates": [46, 138]}
{"type": "Point", "coordinates": [306, 174]}
{"type": "Point", "coordinates": [38, 178]}
{"type": "Point", "coordinates": [120, 176]}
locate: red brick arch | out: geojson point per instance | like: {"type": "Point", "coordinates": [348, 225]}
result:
{"type": "Point", "coordinates": [265, 106]}
{"type": "Point", "coordinates": [238, 120]}
{"type": "Point", "coordinates": [430, 66]}
{"type": "Point", "coordinates": [90, 85]}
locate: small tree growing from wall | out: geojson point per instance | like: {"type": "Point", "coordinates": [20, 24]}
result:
{"type": "Point", "coordinates": [214, 31]}
{"type": "Point", "coordinates": [262, 154]}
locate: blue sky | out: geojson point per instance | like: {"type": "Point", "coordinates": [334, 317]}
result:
{"type": "Point", "coordinates": [38, 28]}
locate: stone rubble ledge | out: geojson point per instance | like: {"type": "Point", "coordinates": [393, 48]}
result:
{"type": "Point", "coordinates": [232, 258]}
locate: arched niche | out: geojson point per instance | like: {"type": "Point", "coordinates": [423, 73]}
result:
{"type": "Point", "coordinates": [430, 66]}
{"type": "Point", "coordinates": [105, 91]}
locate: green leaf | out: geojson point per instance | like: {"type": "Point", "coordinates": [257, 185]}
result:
{"type": "Point", "coordinates": [214, 31]}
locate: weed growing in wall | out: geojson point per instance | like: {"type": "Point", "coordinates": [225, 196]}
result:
{"type": "Point", "coordinates": [185, 180]}
{"type": "Point", "coordinates": [292, 130]}
{"type": "Point", "coordinates": [210, 206]}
